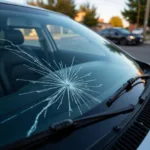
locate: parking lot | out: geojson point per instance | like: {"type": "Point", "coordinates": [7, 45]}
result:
{"type": "Point", "coordinates": [141, 52]}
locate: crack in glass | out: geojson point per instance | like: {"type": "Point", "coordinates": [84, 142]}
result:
{"type": "Point", "coordinates": [62, 80]}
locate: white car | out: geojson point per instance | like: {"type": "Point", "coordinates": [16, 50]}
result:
{"type": "Point", "coordinates": [138, 31]}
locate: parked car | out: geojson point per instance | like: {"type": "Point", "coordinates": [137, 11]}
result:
{"type": "Point", "coordinates": [121, 36]}
{"type": "Point", "coordinates": [62, 86]}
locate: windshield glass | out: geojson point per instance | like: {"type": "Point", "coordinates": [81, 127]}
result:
{"type": "Point", "coordinates": [139, 29]}
{"type": "Point", "coordinates": [53, 68]}
{"type": "Point", "coordinates": [124, 31]}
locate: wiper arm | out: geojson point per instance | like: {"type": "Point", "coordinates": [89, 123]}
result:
{"type": "Point", "coordinates": [59, 130]}
{"type": "Point", "coordinates": [78, 123]}
{"type": "Point", "coordinates": [127, 86]}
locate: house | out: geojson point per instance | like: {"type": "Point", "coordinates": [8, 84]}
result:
{"type": "Point", "coordinates": [105, 25]}
{"type": "Point", "coordinates": [80, 16]}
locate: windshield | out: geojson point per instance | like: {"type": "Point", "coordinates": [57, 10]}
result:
{"type": "Point", "coordinates": [124, 31]}
{"type": "Point", "coordinates": [139, 29]}
{"type": "Point", "coordinates": [53, 68]}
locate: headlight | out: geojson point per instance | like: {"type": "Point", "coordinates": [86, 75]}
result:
{"type": "Point", "coordinates": [131, 37]}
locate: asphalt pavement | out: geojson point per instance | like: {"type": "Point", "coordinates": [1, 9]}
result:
{"type": "Point", "coordinates": [141, 52]}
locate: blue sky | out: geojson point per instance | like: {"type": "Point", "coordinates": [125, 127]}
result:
{"type": "Point", "coordinates": [105, 8]}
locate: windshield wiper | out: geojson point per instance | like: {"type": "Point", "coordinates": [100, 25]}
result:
{"type": "Point", "coordinates": [126, 87]}
{"type": "Point", "coordinates": [59, 130]}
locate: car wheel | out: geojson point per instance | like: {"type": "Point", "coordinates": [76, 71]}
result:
{"type": "Point", "coordinates": [123, 42]}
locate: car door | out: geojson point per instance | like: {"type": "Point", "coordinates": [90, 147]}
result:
{"type": "Point", "coordinates": [101, 32]}
{"type": "Point", "coordinates": [106, 33]}
{"type": "Point", "coordinates": [114, 35]}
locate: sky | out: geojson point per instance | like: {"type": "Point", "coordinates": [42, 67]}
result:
{"type": "Point", "coordinates": [105, 8]}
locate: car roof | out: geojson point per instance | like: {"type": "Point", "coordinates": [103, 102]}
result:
{"type": "Point", "coordinates": [29, 6]}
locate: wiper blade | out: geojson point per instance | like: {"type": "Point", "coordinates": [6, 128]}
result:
{"type": "Point", "coordinates": [126, 87]}
{"type": "Point", "coordinates": [59, 130]}
{"type": "Point", "coordinates": [78, 123]}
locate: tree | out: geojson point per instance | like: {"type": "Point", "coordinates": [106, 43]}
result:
{"type": "Point", "coordinates": [36, 3]}
{"type": "Point", "coordinates": [135, 11]}
{"type": "Point", "coordinates": [116, 21]}
{"type": "Point", "coordinates": [90, 18]}
{"type": "Point", "coordinates": [66, 7]}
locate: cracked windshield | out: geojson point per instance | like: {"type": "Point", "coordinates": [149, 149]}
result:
{"type": "Point", "coordinates": [53, 68]}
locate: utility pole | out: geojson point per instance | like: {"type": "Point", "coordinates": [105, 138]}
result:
{"type": "Point", "coordinates": [146, 17]}
{"type": "Point", "coordinates": [138, 13]}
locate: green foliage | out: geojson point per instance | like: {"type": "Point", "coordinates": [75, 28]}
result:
{"type": "Point", "coordinates": [90, 18]}
{"type": "Point", "coordinates": [131, 13]}
{"type": "Point", "coordinates": [66, 7]}
{"type": "Point", "coordinates": [116, 21]}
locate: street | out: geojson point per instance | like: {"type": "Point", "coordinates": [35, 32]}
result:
{"type": "Point", "coordinates": [141, 52]}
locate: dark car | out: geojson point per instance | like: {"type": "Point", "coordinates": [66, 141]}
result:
{"type": "Point", "coordinates": [62, 86]}
{"type": "Point", "coordinates": [121, 36]}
